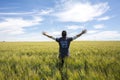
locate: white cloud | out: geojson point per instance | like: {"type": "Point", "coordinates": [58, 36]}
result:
{"type": "Point", "coordinates": [17, 13]}
{"type": "Point", "coordinates": [81, 12]}
{"type": "Point", "coordinates": [92, 31]}
{"type": "Point", "coordinates": [17, 25]}
{"type": "Point", "coordinates": [103, 35]}
{"type": "Point", "coordinates": [103, 18]}
{"type": "Point", "coordinates": [98, 26]}
{"type": "Point", "coordinates": [26, 37]}
{"type": "Point", "coordinates": [45, 12]}
{"type": "Point", "coordinates": [30, 13]}
{"type": "Point", "coordinates": [74, 27]}
{"type": "Point", "coordinates": [55, 33]}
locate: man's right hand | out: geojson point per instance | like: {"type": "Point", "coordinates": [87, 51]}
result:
{"type": "Point", "coordinates": [84, 31]}
{"type": "Point", "coordinates": [44, 33]}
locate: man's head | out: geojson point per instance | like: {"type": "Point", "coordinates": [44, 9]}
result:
{"type": "Point", "coordinates": [64, 33]}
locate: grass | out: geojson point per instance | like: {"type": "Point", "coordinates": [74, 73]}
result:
{"type": "Point", "coordinates": [89, 60]}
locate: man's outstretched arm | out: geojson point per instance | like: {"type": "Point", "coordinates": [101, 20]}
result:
{"type": "Point", "coordinates": [45, 34]}
{"type": "Point", "coordinates": [78, 35]}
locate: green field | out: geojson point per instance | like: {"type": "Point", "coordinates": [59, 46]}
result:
{"type": "Point", "coordinates": [89, 60]}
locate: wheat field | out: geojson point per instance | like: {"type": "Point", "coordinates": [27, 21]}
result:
{"type": "Point", "coordinates": [89, 60]}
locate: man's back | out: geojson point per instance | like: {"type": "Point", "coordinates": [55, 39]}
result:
{"type": "Point", "coordinates": [64, 43]}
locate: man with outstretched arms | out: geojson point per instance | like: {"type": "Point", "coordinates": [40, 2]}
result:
{"type": "Point", "coordinates": [64, 43]}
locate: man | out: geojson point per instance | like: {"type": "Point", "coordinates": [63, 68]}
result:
{"type": "Point", "coordinates": [64, 43]}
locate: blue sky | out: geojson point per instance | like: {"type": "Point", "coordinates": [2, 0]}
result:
{"type": "Point", "coordinates": [25, 20]}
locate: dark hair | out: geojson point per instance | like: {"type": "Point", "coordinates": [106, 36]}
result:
{"type": "Point", "coordinates": [64, 33]}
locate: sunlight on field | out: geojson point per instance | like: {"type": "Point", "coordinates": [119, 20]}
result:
{"type": "Point", "coordinates": [38, 61]}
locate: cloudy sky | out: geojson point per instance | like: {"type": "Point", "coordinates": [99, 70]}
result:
{"type": "Point", "coordinates": [25, 20]}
